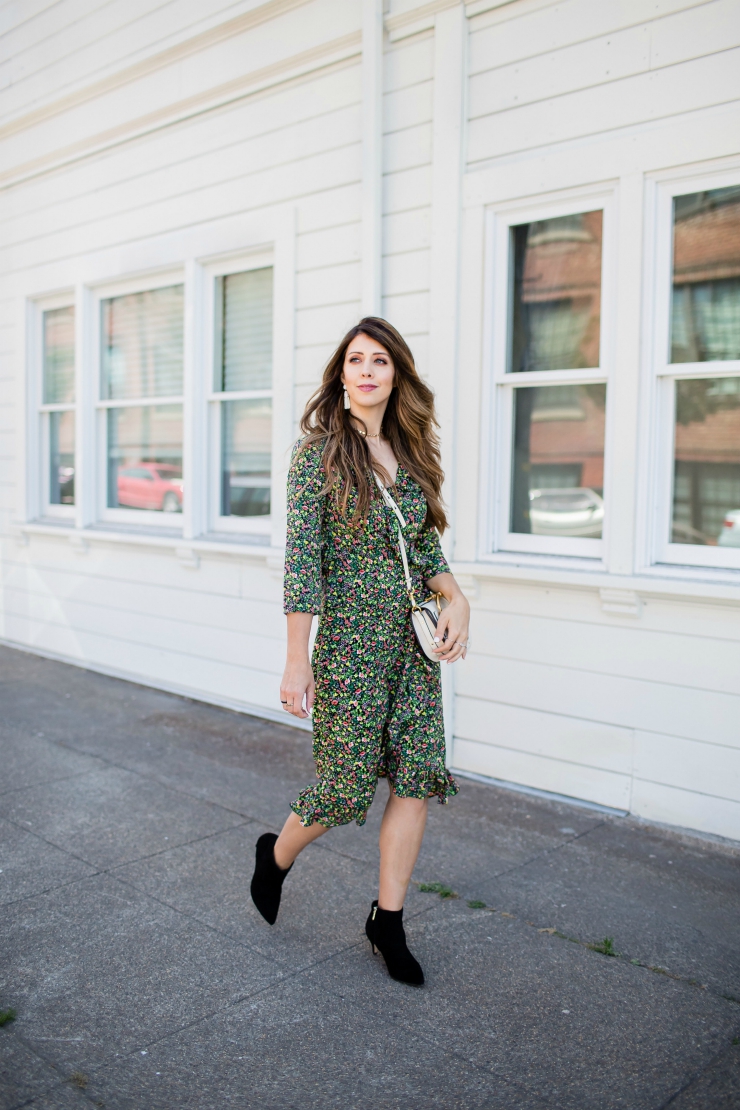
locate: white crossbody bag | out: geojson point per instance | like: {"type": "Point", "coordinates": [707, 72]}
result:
{"type": "Point", "coordinates": [424, 616]}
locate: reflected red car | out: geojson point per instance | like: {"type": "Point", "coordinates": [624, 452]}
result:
{"type": "Point", "coordinates": [156, 486]}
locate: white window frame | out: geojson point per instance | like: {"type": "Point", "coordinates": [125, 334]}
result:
{"type": "Point", "coordinates": [496, 456]}
{"type": "Point", "coordinates": [41, 439]}
{"type": "Point", "coordinates": [150, 518]}
{"type": "Point", "coordinates": [214, 399]}
{"type": "Point", "coordinates": [663, 373]}
{"type": "Point", "coordinates": [161, 260]}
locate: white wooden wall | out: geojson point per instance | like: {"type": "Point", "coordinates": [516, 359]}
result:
{"type": "Point", "coordinates": [630, 700]}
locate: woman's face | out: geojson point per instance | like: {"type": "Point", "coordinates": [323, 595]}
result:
{"type": "Point", "coordinates": [368, 374]}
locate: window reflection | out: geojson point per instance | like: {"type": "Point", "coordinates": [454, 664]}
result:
{"type": "Point", "coordinates": [557, 293]}
{"type": "Point", "coordinates": [706, 483]}
{"type": "Point", "coordinates": [142, 344]}
{"type": "Point", "coordinates": [705, 322]}
{"type": "Point", "coordinates": [62, 458]}
{"type": "Point", "coordinates": [558, 472]}
{"type": "Point", "coordinates": [246, 458]}
{"type": "Point", "coordinates": [59, 355]}
{"type": "Point", "coordinates": [145, 458]}
{"type": "Point", "coordinates": [244, 330]}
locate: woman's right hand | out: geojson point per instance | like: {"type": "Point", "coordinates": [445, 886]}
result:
{"type": "Point", "coordinates": [298, 687]}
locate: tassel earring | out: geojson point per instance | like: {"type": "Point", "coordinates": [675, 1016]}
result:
{"type": "Point", "coordinates": [346, 397]}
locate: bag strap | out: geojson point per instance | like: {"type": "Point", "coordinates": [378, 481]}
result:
{"type": "Point", "coordinates": [400, 523]}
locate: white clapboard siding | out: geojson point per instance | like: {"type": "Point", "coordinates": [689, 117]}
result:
{"type": "Point", "coordinates": [530, 748]}
{"type": "Point", "coordinates": [202, 607]}
{"type": "Point", "coordinates": [328, 285]}
{"type": "Point", "coordinates": [403, 150]}
{"type": "Point", "coordinates": [673, 615]}
{"type": "Point", "coordinates": [406, 231]}
{"type": "Point", "coordinates": [409, 312]}
{"type": "Point", "coordinates": [631, 651]}
{"type": "Point", "coordinates": [691, 712]}
{"type": "Point", "coordinates": [406, 273]}
{"type": "Point", "coordinates": [687, 765]}
{"type": "Point", "coordinates": [688, 808]}
{"type": "Point", "coordinates": [332, 245]}
{"type": "Point", "coordinates": [320, 95]}
{"type": "Point", "coordinates": [630, 102]}
{"type": "Point", "coordinates": [78, 25]}
{"type": "Point", "coordinates": [408, 107]}
{"type": "Point", "coordinates": [243, 684]}
{"type": "Point", "coordinates": [309, 363]}
{"type": "Point", "coordinates": [407, 189]}
{"type": "Point", "coordinates": [647, 47]}
{"type": "Point", "coordinates": [137, 629]}
{"type": "Point", "coordinates": [291, 140]}
{"type": "Point", "coordinates": [408, 63]}
{"type": "Point", "coordinates": [271, 186]}
{"type": "Point", "coordinates": [325, 325]}
{"type": "Point", "coordinates": [508, 35]}
{"type": "Point", "coordinates": [256, 47]}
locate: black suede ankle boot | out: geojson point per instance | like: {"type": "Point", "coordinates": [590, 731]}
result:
{"type": "Point", "coordinates": [268, 878]}
{"type": "Point", "coordinates": [384, 930]}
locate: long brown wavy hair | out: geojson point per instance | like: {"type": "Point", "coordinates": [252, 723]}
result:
{"type": "Point", "coordinates": [409, 425]}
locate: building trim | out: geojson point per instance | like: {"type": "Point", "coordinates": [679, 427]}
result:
{"type": "Point", "coordinates": [263, 14]}
{"type": "Point", "coordinates": [279, 73]}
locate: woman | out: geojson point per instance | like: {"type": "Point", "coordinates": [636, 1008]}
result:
{"type": "Point", "coordinates": [376, 698]}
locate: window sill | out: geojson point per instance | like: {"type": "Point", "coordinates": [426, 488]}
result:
{"type": "Point", "coordinates": [620, 593]}
{"type": "Point", "coordinates": [188, 551]}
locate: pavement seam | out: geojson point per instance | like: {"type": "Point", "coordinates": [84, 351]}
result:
{"type": "Point", "coordinates": [695, 1078]}
{"type": "Point", "coordinates": [50, 782]}
{"type": "Point", "coordinates": [297, 973]}
{"type": "Point", "coordinates": [151, 777]}
{"type": "Point", "coordinates": [593, 947]}
{"type": "Point", "coordinates": [48, 1063]}
{"type": "Point", "coordinates": [114, 867]}
{"type": "Point", "coordinates": [546, 851]}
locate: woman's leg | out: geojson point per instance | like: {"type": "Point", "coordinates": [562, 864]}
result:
{"type": "Point", "coordinates": [401, 834]}
{"type": "Point", "coordinates": [293, 838]}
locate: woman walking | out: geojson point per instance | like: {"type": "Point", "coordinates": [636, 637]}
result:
{"type": "Point", "coordinates": [363, 503]}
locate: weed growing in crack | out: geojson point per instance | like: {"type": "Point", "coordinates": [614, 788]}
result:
{"type": "Point", "coordinates": [605, 947]}
{"type": "Point", "coordinates": [437, 888]}
{"type": "Point", "coordinates": [476, 905]}
{"type": "Point", "coordinates": [6, 1016]}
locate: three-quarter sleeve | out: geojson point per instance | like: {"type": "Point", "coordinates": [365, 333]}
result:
{"type": "Point", "coordinates": [428, 555]}
{"type": "Point", "coordinates": [302, 586]}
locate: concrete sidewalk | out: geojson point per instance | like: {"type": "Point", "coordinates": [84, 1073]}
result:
{"type": "Point", "coordinates": [144, 979]}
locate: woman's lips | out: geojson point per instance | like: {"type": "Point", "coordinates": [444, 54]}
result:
{"type": "Point", "coordinates": [367, 388]}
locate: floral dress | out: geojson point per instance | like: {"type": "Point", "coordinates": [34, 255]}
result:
{"type": "Point", "coordinates": [378, 710]}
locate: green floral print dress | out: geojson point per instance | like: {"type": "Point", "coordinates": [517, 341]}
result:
{"type": "Point", "coordinates": [378, 710]}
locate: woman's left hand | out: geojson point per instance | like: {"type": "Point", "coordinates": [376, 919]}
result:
{"type": "Point", "coordinates": [455, 621]}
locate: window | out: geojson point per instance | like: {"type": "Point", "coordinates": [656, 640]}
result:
{"type": "Point", "coordinates": [700, 380]}
{"type": "Point", "coordinates": [241, 400]}
{"type": "Point", "coordinates": [550, 382]}
{"type": "Point", "coordinates": [141, 387]}
{"type": "Point", "coordinates": [58, 410]}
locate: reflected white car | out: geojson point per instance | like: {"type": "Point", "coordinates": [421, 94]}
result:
{"type": "Point", "coordinates": [566, 512]}
{"type": "Point", "coordinates": [730, 534]}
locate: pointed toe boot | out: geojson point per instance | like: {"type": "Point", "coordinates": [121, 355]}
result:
{"type": "Point", "coordinates": [384, 929]}
{"type": "Point", "coordinates": [267, 881]}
